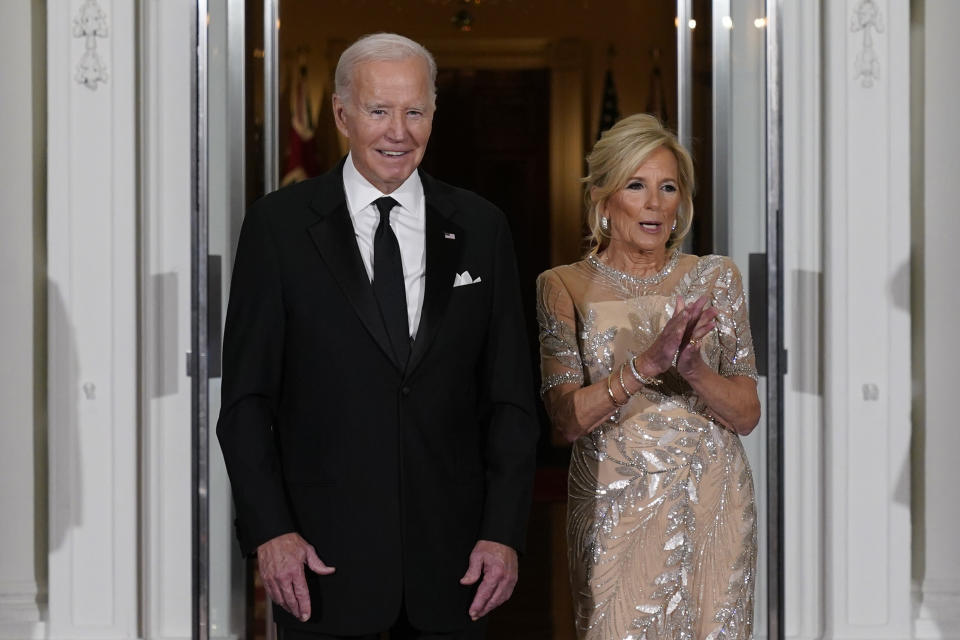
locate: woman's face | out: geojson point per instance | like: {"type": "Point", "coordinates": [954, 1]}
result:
{"type": "Point", "coordinates": [643, 212]}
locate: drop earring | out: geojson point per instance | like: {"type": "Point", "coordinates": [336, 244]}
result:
{"type": "Point", "coordinates": [604, 224]}
{"type": "Point", "coordinates": [674, 227]}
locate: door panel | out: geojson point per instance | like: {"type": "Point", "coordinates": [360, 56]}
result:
{"type": "Point", "coordinates": [741, 213]}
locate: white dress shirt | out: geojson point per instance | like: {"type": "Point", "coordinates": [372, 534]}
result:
{"type": "Point", "coordinates": [409, 224]}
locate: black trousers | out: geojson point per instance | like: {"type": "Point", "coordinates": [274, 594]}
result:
{"type": "Point", "coordinates": [401, 630]}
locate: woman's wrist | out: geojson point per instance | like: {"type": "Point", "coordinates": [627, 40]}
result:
{"type": "Point", "coordinates": [637, 371]}
{"type": "Point", "coordinates": [646, 367]}
{"type": "Point", "coordinates": [613, 397]}
{"type": "Point", "coordinates": [696, 372]}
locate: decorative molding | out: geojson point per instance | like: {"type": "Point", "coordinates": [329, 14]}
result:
{"type": "Point", "coordinates": [20, 601]}
{"type": "Point", "coordinates": [24, 631]}
{"type": "Point", "coordinates": [866, 16]}
{"type": "Point", "coordinates": [937, 604]}
{"type": "Point", "coordinates": [90, 24]}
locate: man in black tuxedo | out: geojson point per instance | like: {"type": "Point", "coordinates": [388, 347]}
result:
{"type": "Point", "coordinates": [377, 418]}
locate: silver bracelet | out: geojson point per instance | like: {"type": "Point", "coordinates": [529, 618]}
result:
{"type": "Point", "coordinates": [642, 379]}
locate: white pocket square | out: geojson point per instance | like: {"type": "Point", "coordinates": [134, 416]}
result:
{"type": "Point", "coordinates": [464, 279]}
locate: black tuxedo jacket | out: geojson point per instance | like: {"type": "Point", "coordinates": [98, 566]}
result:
{"type": "Point", "coordinates": [392, 473]}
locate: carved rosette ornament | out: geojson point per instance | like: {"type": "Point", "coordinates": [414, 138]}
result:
{"type": "Point", "coordinates": [90, 24]}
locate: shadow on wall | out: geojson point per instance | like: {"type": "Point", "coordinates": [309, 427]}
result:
{"type": "Point", "coordinates": [935, 610]}
{"type": "Point", "coordinates": [38, 56]}
{"type": "Point", "coordinates": [162, 348]}
{"type": "Point", "coordinates": [64, 400]}
{"type": "Point", "coordinates": [57, 401]}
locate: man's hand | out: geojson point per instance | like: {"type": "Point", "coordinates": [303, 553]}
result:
{"type": "Point", "coordinates": [281, 561]}
{"type": "Point", "coordinates": [498, 564]}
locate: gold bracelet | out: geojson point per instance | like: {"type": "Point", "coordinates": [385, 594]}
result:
{"type": "Point", "coordinates": [613, 397]}
{"type": "Point", "coordinates": [642, 379]}
{"type": "Point", "coordinates": [623, 386]}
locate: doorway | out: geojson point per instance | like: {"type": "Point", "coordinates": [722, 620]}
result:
{"type": "Point", "coordinates": [521, 84]}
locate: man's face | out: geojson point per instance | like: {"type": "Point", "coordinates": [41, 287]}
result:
{"type": "Point", "coordinates": [387, 118]}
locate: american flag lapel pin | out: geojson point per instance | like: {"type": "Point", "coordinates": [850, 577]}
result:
{"type": "Point", "coordinates": [449, 236]}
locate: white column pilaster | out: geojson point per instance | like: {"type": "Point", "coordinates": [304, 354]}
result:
{"type": "Point", "coordinates": [21, 323]}
{"type": "Point", "coordinates": [803, 438]}
{"type": "Point", "coordinates": [867, 319]}
{"type": "Point", "coordinates": [165, 316]}
{"type": "Point", "coordinates": [91, 244]}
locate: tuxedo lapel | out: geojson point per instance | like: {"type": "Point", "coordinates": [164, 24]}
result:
{"type": "Point", "coordinates": [335, 239]}
{"type": "Point", "coordinates": [443, 247]}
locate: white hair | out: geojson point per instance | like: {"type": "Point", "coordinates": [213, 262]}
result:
{"type": "Point", "coordinates": [380, 47]}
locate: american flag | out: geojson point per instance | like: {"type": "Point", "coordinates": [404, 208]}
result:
{"type": "Point", "coordinates": [610, 111]}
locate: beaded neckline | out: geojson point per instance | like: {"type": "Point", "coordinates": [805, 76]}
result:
{"type": "Point", "coordinates": [627, 279]}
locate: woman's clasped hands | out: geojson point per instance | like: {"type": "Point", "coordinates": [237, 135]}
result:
{"type": "Point", "coordinates": [679, 342]}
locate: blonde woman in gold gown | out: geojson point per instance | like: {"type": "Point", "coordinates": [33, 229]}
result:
{"type": "Point", "coordinates": [648, 369]}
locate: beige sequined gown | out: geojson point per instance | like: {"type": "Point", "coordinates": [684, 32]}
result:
{"type": "Point", "coordinates": [661, 523]}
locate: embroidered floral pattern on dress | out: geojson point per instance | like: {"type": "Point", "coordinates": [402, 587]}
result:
{"type": "Point", "coordinates": [597, 345]}
{"type": "Point", "coordinates": [558, 340]}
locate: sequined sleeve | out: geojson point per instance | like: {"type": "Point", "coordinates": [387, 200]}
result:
{"type": "Point", "coordinates": [559, 353]}
{"type": "Point", "coordinates": [733, 324]}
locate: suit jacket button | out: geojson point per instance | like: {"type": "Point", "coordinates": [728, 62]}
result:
{"type": "Point", "coordinates": [405, 391]}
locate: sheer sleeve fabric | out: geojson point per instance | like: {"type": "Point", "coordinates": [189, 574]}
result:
{"type": "Point", "coordinates": [560, 361]}
{"type": "Point", "coordinates": [733, 324]}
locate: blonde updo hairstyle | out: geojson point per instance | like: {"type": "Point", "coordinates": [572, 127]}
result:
{"type": "Point", "coordinates": [613, 161]}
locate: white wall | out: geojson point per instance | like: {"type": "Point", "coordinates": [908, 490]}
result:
{"type": "Point", "coordinates": [937, 227]}
{"type": "Point", "coordinates": [22, 340]}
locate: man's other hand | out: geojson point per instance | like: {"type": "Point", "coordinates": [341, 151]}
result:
{"type": "Point", "coordinates": [281, 561]}
{"type": "Point", "coordinates": [498, 564]}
